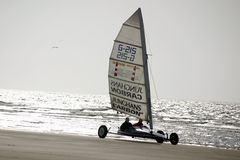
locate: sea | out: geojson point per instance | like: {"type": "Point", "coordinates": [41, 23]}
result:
{"type": "Point", "coordinates": [210, 124]}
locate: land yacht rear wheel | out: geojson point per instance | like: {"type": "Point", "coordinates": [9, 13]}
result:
{"type": "Point", "coordinates": [160, 132]}
{"type": "Point", "coordinates": [159, 140]}
{"type": "Point", "coordinates": [174, 138]}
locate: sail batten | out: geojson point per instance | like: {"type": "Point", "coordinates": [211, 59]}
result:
{"type": "Point", "coordinates": [129, 25]}
{"type": "Point", "coordinates": [128, 76]}
{"type": "Point", "coordinates": [125, 80]}
{"type": "Point", "coordinates": [127, 62]}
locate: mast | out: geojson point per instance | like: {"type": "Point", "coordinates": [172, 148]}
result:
{"type": "Point", "coordinates": [146, 76]}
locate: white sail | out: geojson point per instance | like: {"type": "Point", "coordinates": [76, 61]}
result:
{"type": "Point", "coordinates": [128, 75]}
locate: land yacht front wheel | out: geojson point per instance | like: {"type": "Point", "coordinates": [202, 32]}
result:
{"type": "Point", "coordinates": [102, 131]}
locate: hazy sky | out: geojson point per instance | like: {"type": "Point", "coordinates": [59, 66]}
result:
{"type": "Point", "coordinates": [64, 45]}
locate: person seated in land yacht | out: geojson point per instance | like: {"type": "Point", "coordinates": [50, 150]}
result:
{"type": "Point", "coordinates": [126, 126]}
{"type": "Point", "coordinates": [139, 124]}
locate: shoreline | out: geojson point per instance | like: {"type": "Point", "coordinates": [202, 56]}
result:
{"type": "Point", "coordinates": [116, 138]}
{"type": "Point", "coordinates": [23, 145]}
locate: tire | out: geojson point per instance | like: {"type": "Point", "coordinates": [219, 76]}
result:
{"type": "Point", "coordinates": [102, 131]}
{"type": "Point", "coordinates": [159, 140]}
{"type": "Point", "coordinates": [174, 139]}
{"type": "Point", "coordinates": [160, 132]}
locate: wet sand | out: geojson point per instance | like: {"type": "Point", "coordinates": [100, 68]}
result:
{"type": "Point", "coordinates": [15, 145]}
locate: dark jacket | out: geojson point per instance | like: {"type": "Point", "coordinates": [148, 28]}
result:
{"type": "Point", "coordinates": [126, 126]}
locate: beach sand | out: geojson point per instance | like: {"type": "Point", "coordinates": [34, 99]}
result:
{"type": "Point", "coordinates": [16, 145]}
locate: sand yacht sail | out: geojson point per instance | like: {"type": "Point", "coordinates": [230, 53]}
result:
{"type": "Point", "coordinates": [128, 71]}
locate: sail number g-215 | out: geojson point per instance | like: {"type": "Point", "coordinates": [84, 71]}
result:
{"type": "Point", "coordinates": [126, 52]}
